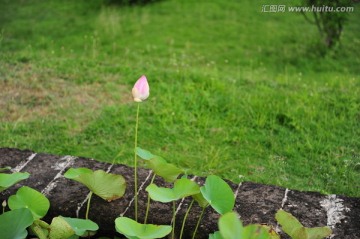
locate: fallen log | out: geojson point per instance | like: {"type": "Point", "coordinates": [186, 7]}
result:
{"type": "Point", "coordinates": [255, 203]}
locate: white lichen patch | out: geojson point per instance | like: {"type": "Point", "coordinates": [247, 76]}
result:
{"type": "Point", "coordinates": [238, 187]}
{"type": "Point", "coordinates": [22, 164]}
{"type": "Point", "coordinates": [284, 200]}
{"type": "Point", "coordinates": [334, 209]}
{"type": "Point", "coordinates": [61, 165]}
{"type": "Point", "coordinates": [140, 188]}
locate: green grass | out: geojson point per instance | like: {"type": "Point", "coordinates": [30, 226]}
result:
{"type": "Point", "coordinates": [234, 91]}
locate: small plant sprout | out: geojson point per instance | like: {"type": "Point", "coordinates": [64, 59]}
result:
{"type": "Point", "coordinates": [291, 226]}
{"type": "Point", "coordinates": [182, 188]}
{"type": "Point", "coordinates": [108, 186]}
{"type": "Point", "coordinates": [140, 92]}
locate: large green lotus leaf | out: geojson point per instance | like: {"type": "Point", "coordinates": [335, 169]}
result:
{"type": "Point", "coordinates": [134, 230]}
{"type": "Point", "coordinates": [182, 188]}
{"type": "Point", "coordinates": [230, 226]}
{"type": "Point", "coordinates": [60, 229]}
{"type": "Point", "coordinates": [219, 194]}
{"type": "Point", "coordinates": [167, 171]}
{"type": "Point", "coordinates": [27, 197]}
{"type": "Point", "coordinates": [13, 223]}
{"type": "Point", "coordinates": [7, 180]}
{"type": "Point", "coordinates": [106, 185]}
{"type": "Point", "coordinates": [81, 226]}
{"type": "Point", "coordinates": [291, 226]}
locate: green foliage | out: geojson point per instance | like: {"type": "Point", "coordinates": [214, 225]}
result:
{"type": "Point", "coordinates": [13, 224]}
{"type": "Point", "coordinates": [296, 230]}
{"type": "Point", "coordinates": [182, 188]}
{"type": "Point", "coordinates": [27, 197]}
{"type": "Point", "coordinates": [167, 171]}
{"type": "Point", "coordinates": [60, 229]}
{"type": "Point", "coordinates": [134, 230]}
{"type": "Point", "coordinates": [199, 198]}
{"type": "Point", "coordinates": [7, 180]}
{"type": "Point", "coordinates": [238, 93]}
{"type": "Point", "coordinates": [71, 228]}
{"type": "Point", "coordinates": [231, 228]}
{"type": "Point", "coordinates": [82, 227]}
{"type": "Point", "coordinates": [40, 229]}
{"type": "Point", "coordinates": [215, 235]}
{"type": "Point", "coordinates": [218, 194]}
{"type": "Point", "coordinates": [106, 185]}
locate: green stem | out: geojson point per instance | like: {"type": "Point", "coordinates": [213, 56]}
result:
{"type": "Point", "coordinates": [184, 220]}
{"type": "Point", "coordinates": [88, 205]}
{"type": "Point", "coordinates": [135, 163]}
{"type": "Point", "coordinates": [173, 221]}
{"type": "Point", "coordinates": [198, 222]}
{"type": "Point", "coordinates": [148, 201]}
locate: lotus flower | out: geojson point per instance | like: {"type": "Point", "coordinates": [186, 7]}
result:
{"type": "Point", "coordinates": [141, 89]}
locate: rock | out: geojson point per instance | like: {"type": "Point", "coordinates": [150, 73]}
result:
{"type": "Point", "coordinates": [255, 203]}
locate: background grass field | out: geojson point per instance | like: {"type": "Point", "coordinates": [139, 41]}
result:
{"type": "Point", "coordinates": [234, 91]}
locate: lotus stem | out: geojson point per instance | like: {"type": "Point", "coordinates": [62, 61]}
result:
{"type": "Point", "coordinates": [135, 164]}
{"type": "Point", "coordinates": [88, 205]}
{"type": "Point", "coordinates": [173, 222]}
{"type": "Point", "coordinates": [184, 220]}
{"type": "Point", "coordinates": [148, 201]}
{"type": "Point", "coordinates": [198, 222]}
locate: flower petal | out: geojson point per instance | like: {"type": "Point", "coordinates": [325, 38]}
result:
{"type": "Point", "coordinates": [141, 89]}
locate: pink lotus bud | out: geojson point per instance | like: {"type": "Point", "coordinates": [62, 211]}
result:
{"type": "Point", "coordinates": [141, 89]}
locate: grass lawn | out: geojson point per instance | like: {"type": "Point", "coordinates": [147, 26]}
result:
{"type": "Point", "coordinates": [234, 91]}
